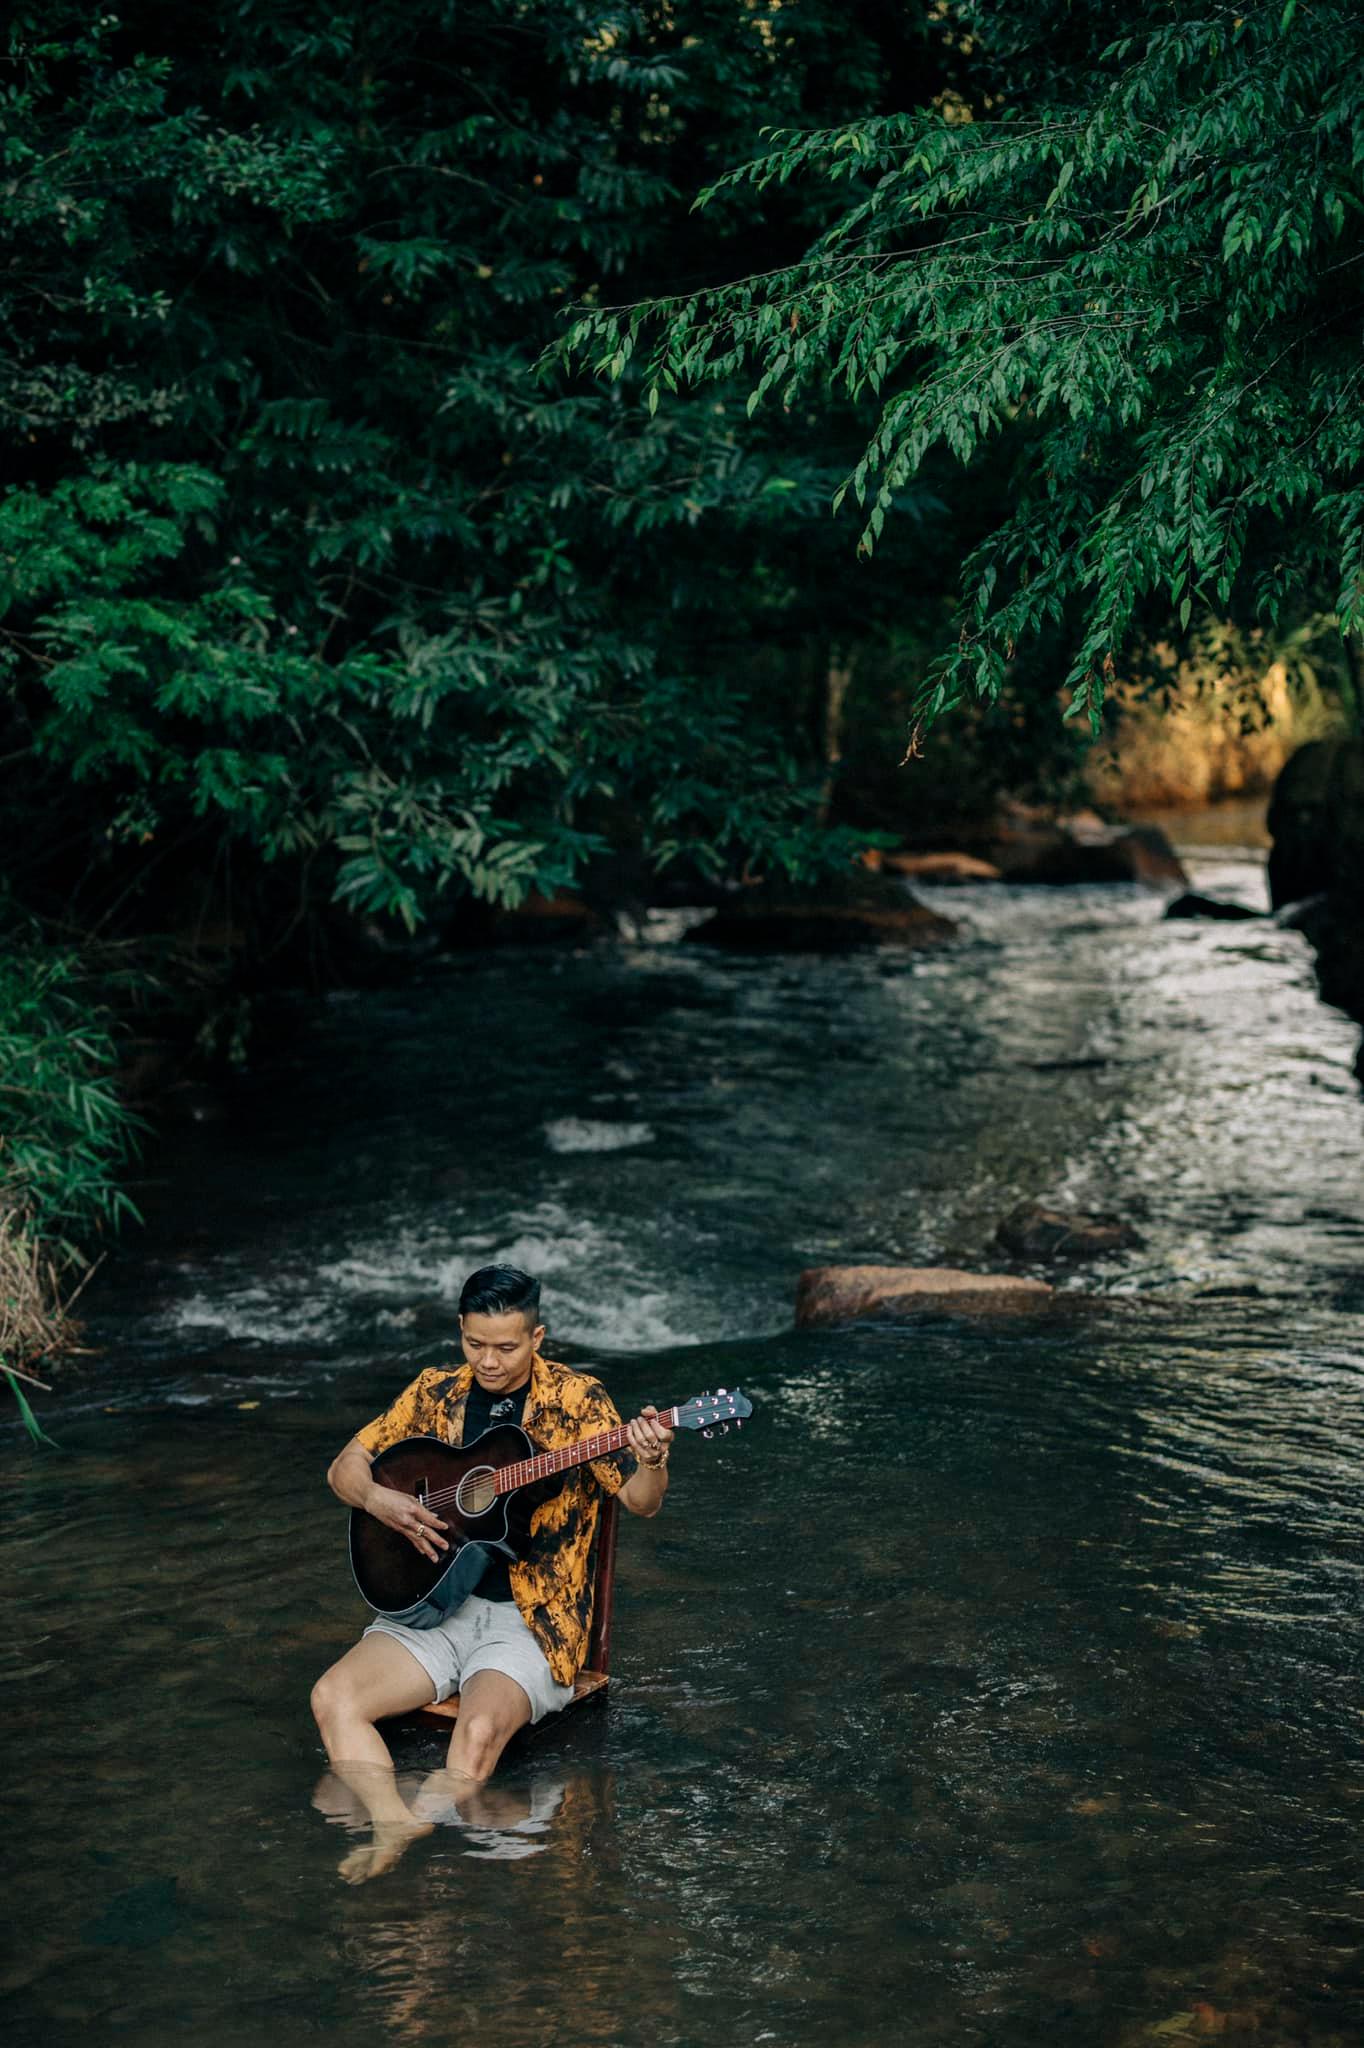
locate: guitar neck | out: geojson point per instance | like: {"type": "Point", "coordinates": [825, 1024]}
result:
{"type": "Point", "coordinates": [547, 1463]}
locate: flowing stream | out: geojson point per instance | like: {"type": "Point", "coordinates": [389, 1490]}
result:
{"type": "Point", "coordinates": [1000, 1684]}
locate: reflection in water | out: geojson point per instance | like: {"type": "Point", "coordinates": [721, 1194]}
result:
{"type": "Point", "coordinates": [370, 1794]}
{"type": "Point", "coordinates": [500, 1821]}
{"type": "Point", "coordinates": [564, 1817]}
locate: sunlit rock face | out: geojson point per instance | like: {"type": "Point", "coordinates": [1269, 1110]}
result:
{"type": "Point", "coordinates": [1219, 727]}
{"type": "Point", "coordinates": [1316, 819]}
{"type": "Point", "coordinates": [945, 870]}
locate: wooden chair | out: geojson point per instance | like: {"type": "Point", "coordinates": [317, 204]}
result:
{"type": "Point", "coordinates": [592, 1681]}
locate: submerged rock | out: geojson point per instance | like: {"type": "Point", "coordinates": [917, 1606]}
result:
{"type": "Point", "coordinates": [836, 1294]}
{"type": "Point", "coordinates": [1191, 904]}
{"type": "Point", "coordinates": [846, 912]}
{"type": "Point", "coordinates": [1032, 1232]}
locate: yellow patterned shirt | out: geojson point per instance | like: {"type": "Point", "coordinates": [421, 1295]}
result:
{"type": "Point", "coordinates": [553, 1583]}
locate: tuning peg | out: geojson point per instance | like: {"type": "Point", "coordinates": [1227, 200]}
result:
{"type": "Point", "coordinates": [722, 1391]}
{"type": "Point", "coordinates": [708, 1432]}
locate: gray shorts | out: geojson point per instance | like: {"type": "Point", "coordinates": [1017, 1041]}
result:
{"type": "Point", "coordinates": [481, 1635]}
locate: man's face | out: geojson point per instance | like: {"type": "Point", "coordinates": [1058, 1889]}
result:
{"type": "Point", "coordinates": [500, 1348]}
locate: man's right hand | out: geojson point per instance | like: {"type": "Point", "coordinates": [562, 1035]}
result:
{"type": "Point", "coordinates": [405, 1513]}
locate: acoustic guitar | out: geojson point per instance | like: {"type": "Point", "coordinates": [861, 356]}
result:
{"type": "Point", "coordinates": [485, 1492]}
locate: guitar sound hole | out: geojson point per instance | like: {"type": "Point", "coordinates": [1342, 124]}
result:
{"type": "Point", "coordinates": [476, 1491]}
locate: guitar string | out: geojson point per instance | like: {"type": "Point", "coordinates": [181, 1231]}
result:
{"type": "Point", "coordinates": [528, 1469]}
{"type": "Point", "coordinates": [525, 1470]}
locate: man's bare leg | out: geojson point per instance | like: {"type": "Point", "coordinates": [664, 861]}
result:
{"type": "Point", "coordinates": [376, 1678]}
{"type": "Point", "coordinates": [491, 1709]}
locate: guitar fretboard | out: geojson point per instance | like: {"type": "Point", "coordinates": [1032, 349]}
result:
{"type": "Point", "coordinates": [529, 1470]}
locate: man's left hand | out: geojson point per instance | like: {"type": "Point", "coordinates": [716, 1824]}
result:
{"type": "Point", "coordinates": [649, 1437]}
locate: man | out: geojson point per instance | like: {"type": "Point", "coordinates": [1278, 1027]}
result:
{"type": "Point", "coordinates": [513, 1648]}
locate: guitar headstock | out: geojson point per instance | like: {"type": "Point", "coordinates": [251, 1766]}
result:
{"type": "Point", "coordinates": [725, 1409]}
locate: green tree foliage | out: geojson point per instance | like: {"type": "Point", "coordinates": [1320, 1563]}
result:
{"type": "Point", "coordinates": [63, 1130]}
{"type": "Point", "coordinates": [297, 555]}
{"type": "Point", "coordinates": [1122, 281]}
{"type": "Point", "coordinates": [65, 1134]}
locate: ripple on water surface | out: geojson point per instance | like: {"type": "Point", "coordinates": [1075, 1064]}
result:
{"type": "Point", "coordinates": [669, 1138]}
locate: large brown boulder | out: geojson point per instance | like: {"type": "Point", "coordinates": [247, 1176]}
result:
{"type": "Point", "coordinates": [1149, 857]}
{"type": "Point", "coordinates": [1033, 845]}
{"type": "Point", "coordinates": [848, 911]}
{"type": "Point", "coordinates": [838, 1294]}
{"type": "Point", "coordinates": [1020, 836]}
{"type": "Point", "coordinates": [1132, 853]}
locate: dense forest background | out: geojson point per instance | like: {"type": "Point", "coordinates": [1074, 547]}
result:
{"type": "Point", "coordinates": [414, 500]}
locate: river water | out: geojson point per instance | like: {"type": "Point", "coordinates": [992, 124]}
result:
{"type": "Point", "coordinates": [1000, 1683]}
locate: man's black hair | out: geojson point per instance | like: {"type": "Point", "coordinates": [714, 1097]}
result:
{"type": "Point", "coordinates": [493, 1290]}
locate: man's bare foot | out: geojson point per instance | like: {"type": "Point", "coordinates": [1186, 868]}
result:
{"type": "Point", "coordinates": [375, 1857]}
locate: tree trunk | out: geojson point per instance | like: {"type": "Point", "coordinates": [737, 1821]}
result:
{"type": "Point", "coordinates": [838, 677]}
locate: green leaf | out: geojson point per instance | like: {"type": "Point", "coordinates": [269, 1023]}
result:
{"type": "Point", "coordinates": [30, 1420]}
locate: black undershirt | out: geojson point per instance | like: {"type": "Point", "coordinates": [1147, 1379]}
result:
{"type": "Point", "coordinates": [484, 1411]}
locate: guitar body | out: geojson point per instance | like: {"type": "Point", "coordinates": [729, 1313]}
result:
{"type": "Point", "coordinates": [486, 1509]}
{"type": "Point", "coordinates": [397, 1581]}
